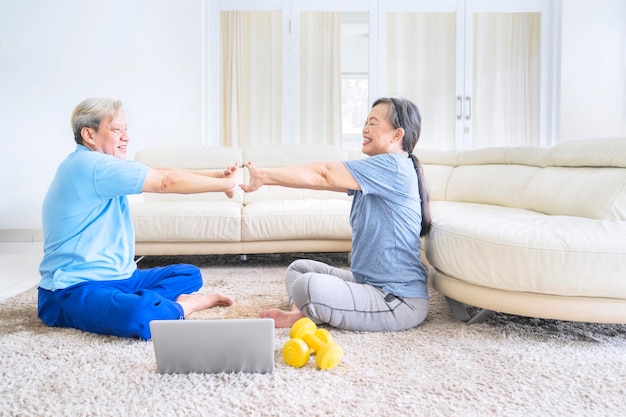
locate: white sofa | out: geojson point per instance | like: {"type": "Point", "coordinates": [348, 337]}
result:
{"type": "Point", "coordinates": [529, 231]}
{"type": "Point", "coordinates": [270, 220]}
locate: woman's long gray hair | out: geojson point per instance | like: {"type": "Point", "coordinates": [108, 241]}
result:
{"type": "Point", "coordinates": [404, 114]}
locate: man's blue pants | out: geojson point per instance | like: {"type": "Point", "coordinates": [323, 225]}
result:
{"type": "Point", "coordinates": [121, 307]}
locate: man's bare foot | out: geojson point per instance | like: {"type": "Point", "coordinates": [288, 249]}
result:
{"type": "Point", "coordinates": [282, 318]}
{"type": "Point", "coordinates": [197, 302]}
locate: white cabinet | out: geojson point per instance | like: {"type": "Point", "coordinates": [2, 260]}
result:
{"type": "Point", "coordinates": [481, 71]}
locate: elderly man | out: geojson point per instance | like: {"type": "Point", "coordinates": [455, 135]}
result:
{"type": "Point", "coordinates": [89, 279]}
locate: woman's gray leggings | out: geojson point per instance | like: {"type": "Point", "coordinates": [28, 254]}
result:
{"type": "Point", "coordinates": [329, 295]}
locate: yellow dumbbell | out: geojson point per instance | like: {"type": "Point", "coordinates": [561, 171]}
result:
{"type": "Point", "coordinates": [307, 339]}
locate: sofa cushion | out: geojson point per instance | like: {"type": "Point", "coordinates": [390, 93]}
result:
{"type": "Point", "coordinates": [296, 219]}
{"type": "Point", "coordinates": [487, 176]}
{"type": "Point", "coordinates": [561, 180]}
{"type": "Point", "coordinates": [278, 156]}
{"type": "Point", "coordinates": [187, 221]}
{"type": "Point", "coordinates": [516, 155]}
{"type": "Point", "coordinates": [595, 193]}
{"type": "Point", "coordinates": [582, 178]}
{"type": "Point", "coordinates": [599, 152]}
{"type": "Point", "coordinates": [520, 250]}
{"type": "Point", "coordinates": [189, 157]}
{"type": "Point", "coordinates": [501, 185]}
{"type": "Point", "coordinates": [437, 178]}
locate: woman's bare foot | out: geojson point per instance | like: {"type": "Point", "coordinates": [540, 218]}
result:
{"type": "Point", "coordinates": [197, 302]}
{"type": "Point", "coordinates": [282, 318]}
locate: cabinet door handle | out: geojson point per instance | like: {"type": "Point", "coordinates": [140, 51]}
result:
{"type": "Point", "coordinates": [468, 112]}
{"type": "Point", "coordinates": [459, 107]}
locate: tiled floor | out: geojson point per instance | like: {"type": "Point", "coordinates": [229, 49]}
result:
{"type": "Point", "coordinates": [19, 267]}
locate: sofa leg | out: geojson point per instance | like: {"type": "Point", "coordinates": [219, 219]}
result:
{"type": "Point", "coordinates": [243, 257]}
{"type": "Point", "coordinates": [460, 312]}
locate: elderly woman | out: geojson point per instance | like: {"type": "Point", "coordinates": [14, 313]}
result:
{"type": "Point", "coordinates": [385, 290]}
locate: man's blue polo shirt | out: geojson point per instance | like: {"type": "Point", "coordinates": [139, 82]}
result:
{"type": "Point", "coordinates": [87, 227]}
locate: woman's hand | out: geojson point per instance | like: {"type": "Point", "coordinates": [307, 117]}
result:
{"type": "Point", "coordinates": [255, 179]}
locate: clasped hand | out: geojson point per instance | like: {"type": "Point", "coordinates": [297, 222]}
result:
{"type": "Point", "coordinates": [254, 183]}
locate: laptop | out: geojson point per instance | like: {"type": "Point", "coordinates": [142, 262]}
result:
{"type": "Point", "coordinates": [212, 346]}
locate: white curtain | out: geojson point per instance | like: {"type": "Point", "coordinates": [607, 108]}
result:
{"type": "Point", "coordinates": [251, 74]}
{"type": "Point", "coordinates": [507, 81]}
{"type": "Point", "coordinates": [251, 79]}
{"type": "Point", "coordinates": [421, 66]}
{"type": "Point", "coordinates": [320, 78]}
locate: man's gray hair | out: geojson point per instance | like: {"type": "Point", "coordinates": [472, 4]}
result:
{"type": "Point", "coordinates": [90, 112]}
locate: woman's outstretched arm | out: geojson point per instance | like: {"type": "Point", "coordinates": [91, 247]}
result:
{"type": "Point", "coordinates": [316, 176]}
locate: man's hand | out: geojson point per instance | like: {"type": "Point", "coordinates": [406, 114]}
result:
{"type": "Point", "coordinates": [230, 171]}
{"type": "Point", "coordinates": [255, 179]}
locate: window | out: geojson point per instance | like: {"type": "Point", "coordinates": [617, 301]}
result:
{"type": "Point", "coordinates": [354, 76]}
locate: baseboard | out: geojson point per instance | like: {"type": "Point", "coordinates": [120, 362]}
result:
{"type": "Point", "coordinates": [21, 235]}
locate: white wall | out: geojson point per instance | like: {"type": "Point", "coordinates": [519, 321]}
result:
{"type": "Point", "coordinates": [53, 54]}
{"type": "Point", "coordinates": [149, 53]}
{"type": "Point", "coordinates": [593, 69]}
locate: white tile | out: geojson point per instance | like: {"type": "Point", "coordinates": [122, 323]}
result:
{"type": "Point", "coordinates": [14, 290]}
{"type": "Point", "coordinates": [20, 260]}
{"type": "Point", "coordinates": [6, 246]}
{"type": "Point", "coordinates": [15, 274]}
{"type": "Point", "coordinates": [19, 267]}
{"type": "Point", "coordinates": [21, 247]}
